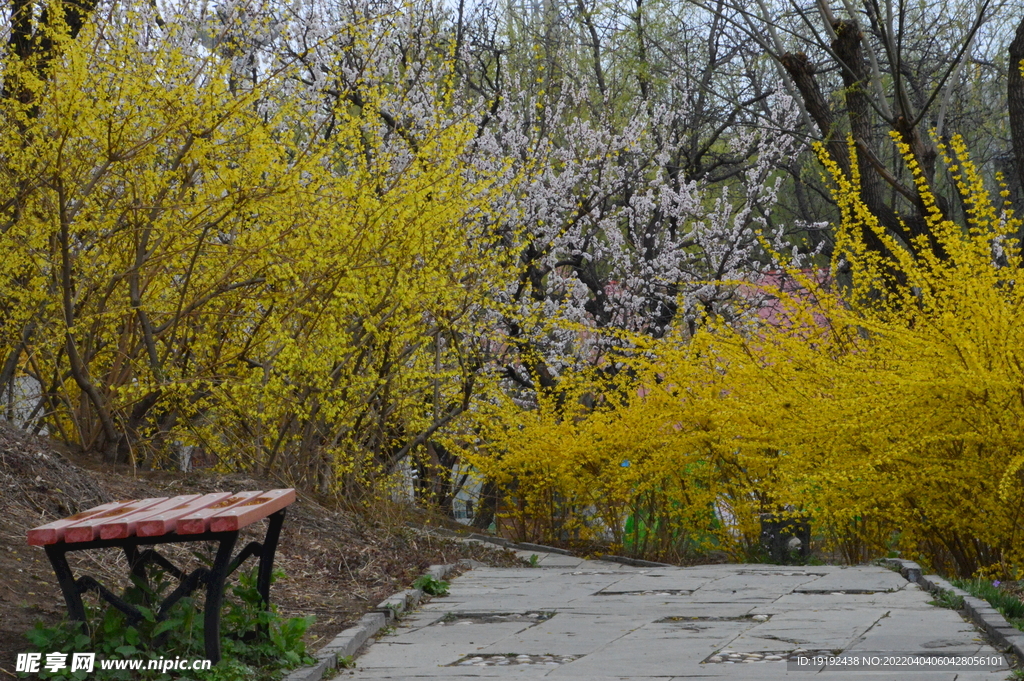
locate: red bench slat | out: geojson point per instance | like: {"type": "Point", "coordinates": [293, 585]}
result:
{"type": "Point", "coordinates": [199, 521]}
{"type": "Point", "coordinates": [240, 515]}
{"type": "Point", "coordinates": [184, 514]}
{"type": "Point", "coordinates": [51, 533]}
{"type": "Point", "coordinates": [89, 529]}
{"type": "Point", "coordinates": [126, 525]}
{"type": "Point", "coordinates": [164, 522]}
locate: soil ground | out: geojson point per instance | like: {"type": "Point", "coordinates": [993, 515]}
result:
{"type": "Point", "coordinates": [338, 565]}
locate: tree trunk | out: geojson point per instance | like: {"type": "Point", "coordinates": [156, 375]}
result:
{"type": "Point", "coordinates": [1015, 99]}
{"type": "Point", "coordinates": [487, 506]}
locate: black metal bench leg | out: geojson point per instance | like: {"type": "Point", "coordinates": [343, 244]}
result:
{"type": "Point", "coordinates": [66, 580]}
{"type": "Point", "coordinates": [138, 570]}
{"type": "Point", "coordinates": [215, 596]}
{"type": "Point", "coordinates": [267, 561]}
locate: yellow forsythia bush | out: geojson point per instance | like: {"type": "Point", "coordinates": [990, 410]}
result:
{"type": "Point", "coordinates": [887, 407]}
{"type": "Point", "coordinates": [198, 259]}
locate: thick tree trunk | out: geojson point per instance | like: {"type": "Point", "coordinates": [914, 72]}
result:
{"type": "Point", "coordinates": [856, 75]}
{"type": "Point", "coordinates": [1015, 99]}
{"type": "Point", "coordinates": [487, 506]}
{"type": "Point", "coordinates": [801, 70]}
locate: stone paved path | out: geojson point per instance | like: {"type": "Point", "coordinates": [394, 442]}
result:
{"type": "Point", "coordinates": [577, 619]}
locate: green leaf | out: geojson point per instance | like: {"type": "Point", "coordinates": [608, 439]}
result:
{"type": "Point", "coordinates": [39, 636]}
{"type": "Point", "coordinates": [431, 585]}
{"type": "Point", "coordinates": [166, 625]}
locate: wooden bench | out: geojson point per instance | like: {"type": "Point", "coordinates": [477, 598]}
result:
{"type": "Point", "coordinates": [165, 520]}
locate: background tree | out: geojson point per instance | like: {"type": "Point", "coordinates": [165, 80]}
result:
{"type": "Point", "coordinates": [871, 71]}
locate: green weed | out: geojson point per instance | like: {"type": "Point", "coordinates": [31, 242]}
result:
{"type": "Point", "coordinates": [255, 643]}
{"type": "Point", "coordinates": [948, 599]}
{"type": "Point", "coordinates": [1008, 605]}
{"type": "Point", "coordinates": [431, 585]}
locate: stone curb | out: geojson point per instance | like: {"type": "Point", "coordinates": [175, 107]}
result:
{"type": "Point", "coordinates": [394, 605]}
{"type": "Point", "coordinates": [526, 546]}
{"type": "Point", "coordinates": [910, 570]}
{"type": "Point", "coordinates": [500, 541]}
{"type": "Point", "coordinates": [984, 615]}
{"type": "Point", "coordinates": [351, 640]}
{"type": "Point", "coordinates": [487, 539]}
{"type": "Point", "coordinates": [635, 562]}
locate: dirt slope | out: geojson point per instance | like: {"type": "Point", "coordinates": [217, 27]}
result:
{"type": "Point", "coordinates": [338, 565]}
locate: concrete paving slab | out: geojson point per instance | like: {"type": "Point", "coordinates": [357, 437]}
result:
{"type": "Point", "coordinates": [818, 630]}
{"type": "Point", "coordinates": [656, 609]}
{"type": "Point", "coordinates": [436, 645]}
{"type": "Point", "coordinates": [548, 560]}
{"type": "Point", "coordinates": [867, 578]}
{"type": "Point", "coordinates": [751, 597]}
{"type": "Point", "coordinates": [650, 651]}
{"type": "Point", "coordinates": [568, 634]}
{"type": "Point", "coordinates": [903, 630]}
{"type": "Point", "coordinates": [507, 603]}
{"type": "Point", "coordinates": [646, 636]}
{"type": "Point", "coordinates": [775, 583]}
{"type": "Point", "coordinates": [451, 673]}
{"type": "Point", "coordinates": [758, 672]}
{"type": "Point", "coordinates": [771, 672]}
{"type": "Point", "coordinates": [418, 619]}
{"type": "Point", "coordinates": [607, 565]}
{"type": "Point", "coordinates": [846, 601]}
{"type": "Point", "coordinates": [674, 581]}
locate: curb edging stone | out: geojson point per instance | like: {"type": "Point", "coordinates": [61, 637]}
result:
{"type": "Point", "coordinates": [910, 570]}
{"type": "Point", "coordinates": [635, 562]}
{"type": "Point", "coordinates": [488, 539]}
{"type": "Point", "coordinates": [352, 639]}
{"type": "Point", "coordinates": [527, 546]}
{"type": "Point", "coordinates": [983, 614]}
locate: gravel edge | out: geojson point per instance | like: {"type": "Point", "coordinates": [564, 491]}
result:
{"type": "Point", "coordinates": [984, 615]}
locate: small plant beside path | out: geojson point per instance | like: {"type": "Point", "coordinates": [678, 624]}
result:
{"type": "Point", "coordinates": [948, 599]}
{"type": "Point", "coordinates": [999, 597]}
{"type": "Point", "coordinates": [431, 585]}
{"type": "Point", "coordinates": [247, 656]}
